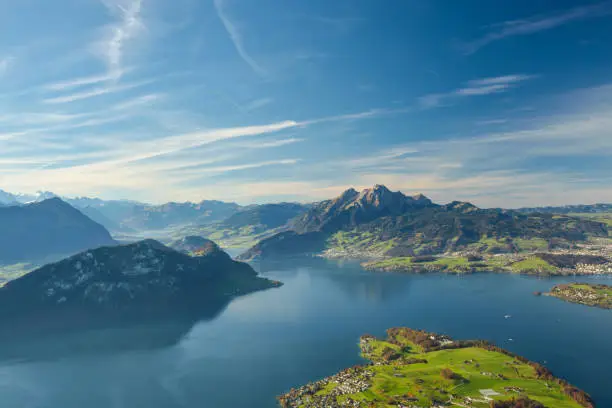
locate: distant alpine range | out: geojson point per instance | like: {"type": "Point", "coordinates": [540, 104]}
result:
{"type": "Point", "coordinates": [372, 223]}
{"type": "Point", "coordinates": [91, 259]}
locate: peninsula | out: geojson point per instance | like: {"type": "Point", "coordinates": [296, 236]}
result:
{"type": "Point", "coordinates": [597, 295]}
{"type": "Point", "coordinates": [413, 368]}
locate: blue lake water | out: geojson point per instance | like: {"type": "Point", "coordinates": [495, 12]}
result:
{"type": "Point", "coordinates": [263, 344]}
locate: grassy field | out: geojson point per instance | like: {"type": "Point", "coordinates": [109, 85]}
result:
{"type": "Point", "coordinates": [244, 237]}
{"type": "Point", "coordinates": [405, 374]}
{"type": "Point", "coordinates": [449, 264]}
{"type": "Point", "coordinates": [359, 242]}
{"type": "Point", "coordinates": [533, 264]}
{"type": "Point", "coordinates": [525, 264]}
{"type": "Point", "coordinates": [600, 217]}
{"type": "Point", "coordinates": [597, 295]}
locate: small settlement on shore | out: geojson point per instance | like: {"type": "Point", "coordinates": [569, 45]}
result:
{"type": "Point", "coordinates": [597, 295]}
{"type": "Point", "coordinates": [413, 368]}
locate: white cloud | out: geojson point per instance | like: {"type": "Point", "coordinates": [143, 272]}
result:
{"type": "Point", "coordinates": [5, 64]}
{"type": "Point", "coordinates": [128, 26]}
{"type": "Point", "coordinates": [95, 92]}
{"type": "Point", "coordinates": [475, 87]}
{"type": "Point", "coordinates": [200, 172]}
{"type": "Point", "coordinates": [258, 103]}
{"type": "Point", "coordinates": [138, 101]}
{"type": "Point", "coordinates": [503, 80]}
{"type": "Point", "coordinates": [236, 38]}
{"type": "Point", "coordinates": [492, 122]}
{"type": "Point", "coordinates": [82, 81]}
{"type": "Point", "coordinates": [482, 90]}
{"type": "Point", "coordinates": [538, 23]}
{"type": "Point", "coordinates": [268, 144]}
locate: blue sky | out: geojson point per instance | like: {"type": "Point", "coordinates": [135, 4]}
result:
{"type": "Point", "coordinates": [502, 103]}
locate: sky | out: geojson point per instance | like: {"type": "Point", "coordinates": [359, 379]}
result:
{"type": "Point", "coordinates": [502, 103]}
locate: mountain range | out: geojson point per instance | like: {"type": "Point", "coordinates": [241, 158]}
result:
{"type": "Point", "coordinates": [50, 228]}
{"type": "Point", "coordinates": [378, 222]}
{"type": "Point", "coordinates": [374, 222]}
{"type": "Point", "coordinates": [570, 209]}
{"type": "Point", "coordinates": [249, 224]}
{"type": "Point", "coordinates": [130, 216]}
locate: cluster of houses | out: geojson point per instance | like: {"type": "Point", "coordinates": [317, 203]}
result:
{"type": "Point", "coordinates": [576, 295]}
{"type": "Point", "coordinates": [590, 269]}
{"type": "Point", "coordinates": [350, 381]}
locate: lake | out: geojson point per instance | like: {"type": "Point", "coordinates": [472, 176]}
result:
{"type": "Point", "coordinates": [263, 344]}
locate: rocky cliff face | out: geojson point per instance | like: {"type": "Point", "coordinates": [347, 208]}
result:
{"type": "Point", "coordinates": [352, 208]}
{"type": "Point", "coordinates": [377, 222]}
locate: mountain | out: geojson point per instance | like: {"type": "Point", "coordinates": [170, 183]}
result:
{"type": "Point", "coordinates": [152, 217]}
{"type": "Point", "coordinates": [110, 213]}
{"type": "Point", "coordinates": [265, 216]}
{"type": "Point", "coordinates": [7, 198]}
{"type": "Point", "coordinates": [128, 216]}
{"type": "Point", "coordinates": [97, 216]}
{"type": "Point", "coordinates": [567, 209]}
{"type": "Point", "coordinates": [16, 199]}
{"type": "Point", "coordinates": [249, 224]}
{"type": "Point", "coordinates": [195, 245]}
{"type": "Point", "coordinates": [377, 223]}
{"type": "Point", "coordinates": [141, 280]}
{"type": "Point", "coordinates": [352, 208]}
{"type": "Point", "coordinates": [45, 229]}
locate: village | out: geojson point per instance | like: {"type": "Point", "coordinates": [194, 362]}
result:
{"type": "Point", "coordinates": [349, 381]}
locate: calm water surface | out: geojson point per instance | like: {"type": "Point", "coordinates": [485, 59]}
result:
{"type": "Point", "coordinates": [265, 343]}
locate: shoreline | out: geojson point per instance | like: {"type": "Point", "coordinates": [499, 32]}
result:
{"type": "Point", "coordinates": [432, 369]}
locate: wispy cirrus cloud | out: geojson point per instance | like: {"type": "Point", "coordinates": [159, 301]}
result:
{"type": "Point", "coordinates": [83, 81]}
{"type": "Point", "coordinates": [96, 92]}
{"type": "Point", "coordinates": [128, 25]}
{"type": "Point", "coordinates": [236, 37]}
{"type": "Point", "coordinates": [5, 63]}
{"type": "Point", "coordinates": [475, 87]}
{"type": "Point", "coordinates": [140, 164]}
{"type": "Point", "coordinates": [538, 23]}
{"type": "Point", "coordinates": [258, 103]}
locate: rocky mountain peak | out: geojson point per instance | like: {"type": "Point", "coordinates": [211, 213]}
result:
{"type": "Point", "coordinates": [352, 208]}
{"type": "Point", "coordinates": [463, 206]}
{"type": "Point", "coordinates": [347, 195]}
{"type": "Point", "coordinates": [378, 196]}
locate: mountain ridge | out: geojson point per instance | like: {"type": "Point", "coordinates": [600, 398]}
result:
{"type": "Point", "coordinates": [377, 222]}
{"type": "Point", "coordinates": [145, 279]}
{"type": "Point", "coordinates": [47, 228]}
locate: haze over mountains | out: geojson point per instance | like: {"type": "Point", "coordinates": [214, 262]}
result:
{"type": "Point", "coordinates": [378, 220]}
{"type": "Point", "coordinates": [45, 229]}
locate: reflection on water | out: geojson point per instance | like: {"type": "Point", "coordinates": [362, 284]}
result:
{"type": "Point", "coordinates": [346, 276]}
{"type": "Point", "coordinates": [267, 342]}
{"type": "Point", "coordinates": [50, 336]}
